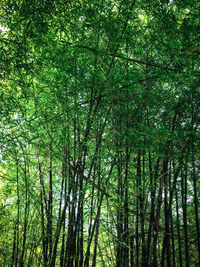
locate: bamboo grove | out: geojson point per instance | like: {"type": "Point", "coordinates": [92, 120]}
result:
{"type": "Point", "coordinates": [99, 133]}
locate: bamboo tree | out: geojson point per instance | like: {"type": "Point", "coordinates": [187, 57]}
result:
{"type": "Point", "coordinates": [184, 205]}
{"type": "Point", "coordinates": [100, 99]}
{"type": "Point", "coordinates": [178, 230]}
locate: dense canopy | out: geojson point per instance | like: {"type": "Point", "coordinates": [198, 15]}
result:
{"type": "Point", "coordinates": [99, 133]}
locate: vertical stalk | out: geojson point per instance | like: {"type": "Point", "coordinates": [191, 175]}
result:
{"type": "Point", "coordinates": [184, 205]}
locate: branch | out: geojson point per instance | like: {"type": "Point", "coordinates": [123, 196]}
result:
{"type": "Point", "coordinates": [155, 65]}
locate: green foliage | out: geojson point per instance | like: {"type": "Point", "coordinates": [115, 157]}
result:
{"type": "Point", "coordinates": [93, 96]}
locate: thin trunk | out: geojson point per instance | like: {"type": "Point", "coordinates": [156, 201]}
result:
{"type": "Point", "coordinates": [25, 216]}
{"type": "Point", "coordinates": [132, 251]}
{"type": "Point", "coordinates": [44, 244]}
{"type": "Point", "coordinates": [157, 217]}
{"type": "Point", "coordinates": [50, 207]}
{"type": "Point", "coordinates": [137, 233]}
{"type": "Point", "coordinates": [119, 256]}
{"type": "Point", "coordinates": [178, 230]}
{"type": "Point", "coordinates": [196, 204]}
{"type": "Point", "coordinates": [16, 229]}
{"type": "Point", "coordinates": [96, 241]}
{"type": "Point", "coordinates": [184, 205]}
{"type": "Point", "coordinates": [153, 179]}
{"type": "Point", "coordinates": [63, 234]}
{"type": "Point", "coordinates": [86, 262]}
{"type": "Point", "coordinates": [167, 236]}
{"type": "Point", "coordinates": [195, 179]}
{"type": "Point", "coordinates": [126, 213]}
{"type": "Point", "coordinates": [18, 202]}
{"type": "Point", "coordinates": [171, 219]}
{"type": "Point", "coordinates": [142, 213]}
{"type": "Point", "coordinates": [14, 246]}
{"type": "Point", "coordinates": [57, 234]}
{"type": "Point", "coordinates": [81, 223]}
